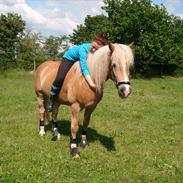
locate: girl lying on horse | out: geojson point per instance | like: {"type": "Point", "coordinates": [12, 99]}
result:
{"type": "Point", "coordinates": [76, 53]}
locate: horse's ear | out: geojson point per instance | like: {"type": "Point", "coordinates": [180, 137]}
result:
{"type": "Point", "coordinates": [131, 45]}
{"type": "Point", "coordinates": [111, 46]}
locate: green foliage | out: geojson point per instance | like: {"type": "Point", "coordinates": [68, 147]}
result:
{"type": "Point", "coordinates": [95, 25]}
{"type": "Point", "coordinates": [29, 51]}
{"type": "Point", "coordinates": [23, 49]}
{"type": "Point", "coordinates": [156, 34]}
{"type": "Point", "coordinates": [55, 46]}
{"type": "Point", "coordinates": [11, 29]}
{"type": "Point", "coordinates": [33, 50]}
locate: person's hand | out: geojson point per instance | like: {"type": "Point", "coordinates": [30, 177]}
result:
{"type": "Point", "coordinates": [90, 82]}
{"type": "Point", "coordinates": [93, 87]}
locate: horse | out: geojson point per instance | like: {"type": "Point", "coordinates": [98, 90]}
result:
{"type": "Point", "coordinates": [112, 61]}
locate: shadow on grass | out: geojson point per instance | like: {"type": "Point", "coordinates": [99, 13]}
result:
{"type": "Point", "coordinates": [93, 135]}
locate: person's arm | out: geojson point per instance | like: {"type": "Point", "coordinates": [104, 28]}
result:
{"type": "Point", "coordinates": [90, 82]}
{"type": "Point", "coordinates": [84, 68]}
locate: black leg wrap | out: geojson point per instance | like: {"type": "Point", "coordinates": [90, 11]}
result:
{"type": "Point", "coordinates": [84, 132]}
{"type": "Point", "coordinates": [84, 143]}
{"type": "Point", "coordinates": [41, 128]}
{"type": "Point", "coordinates": [73, 141]}
{"type": "Point", "coordinates": [41, 123]}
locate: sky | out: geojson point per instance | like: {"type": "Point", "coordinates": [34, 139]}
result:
{"type": "Point", "coordinates": [60, 17]}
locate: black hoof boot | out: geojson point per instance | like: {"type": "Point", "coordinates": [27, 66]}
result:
{"type": "Point", "coordinates": [75, 153]}
{"type": "Point", "coordinates": [84, 143]}
{"type": "Point", "coordinates": [56, 135]}
{"type": "Point", "coordinates": [74, 149]}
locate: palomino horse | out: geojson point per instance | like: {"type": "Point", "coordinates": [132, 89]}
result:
{"type": "Point", "coordinates": [111, 61]}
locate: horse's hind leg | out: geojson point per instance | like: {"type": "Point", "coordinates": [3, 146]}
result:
{"type": "Point", "coordinates": [46, 114]}
{"type": "Point", "coordinates": [87, 114]}
{"type": "Point", "coordinates": [56, 134]}
{"type": "Point", "coordinates": [40, 99]}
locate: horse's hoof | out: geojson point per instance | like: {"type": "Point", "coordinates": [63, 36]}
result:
{"type": "Point", "coordinates": [75, 153]}
{"type": "Point", "coordinates": [84, 143]}
{"type": "Point", "coordinates": [56, 137]}
{"type": "Point", "coordinates": [42, 134]}
{"type": "Point", "coordinates": [77, 156]}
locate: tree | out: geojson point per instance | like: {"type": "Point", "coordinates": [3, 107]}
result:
{"type": "Point", "coordinates": [95, 25]}
{"type": "Point", "coordinates": [33, 49]}
{"type": "Point", "coordinates": [11, 29]}
{"type": "Point", "coordinates": [55, 46]}
{"type": "Point", "coordinates": [30, 51]}
{"type": "Point", "coordinates": [157, 35]}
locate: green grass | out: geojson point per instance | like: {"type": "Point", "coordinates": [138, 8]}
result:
{"type": "Point", "coordinates": [135, 140]}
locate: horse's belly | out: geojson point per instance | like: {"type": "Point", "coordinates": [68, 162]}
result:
{"type": "Point", "coordinates": [87, 98]}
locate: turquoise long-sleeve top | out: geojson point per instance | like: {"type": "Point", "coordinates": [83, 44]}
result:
{"type": "Point", "coordinates": [79, 53]}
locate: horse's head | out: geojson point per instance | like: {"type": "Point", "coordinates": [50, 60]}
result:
{"type": "Point", "coordinates": [121, 61]}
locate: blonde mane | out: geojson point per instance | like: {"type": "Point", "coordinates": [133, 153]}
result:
{"type": "Point", "coordinates": [98, 65]}
{"type": "Point", "coordinates": [98, 62]}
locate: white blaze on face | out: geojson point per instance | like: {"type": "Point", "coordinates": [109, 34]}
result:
{"type": "Point", "coordinates": [126, 79]}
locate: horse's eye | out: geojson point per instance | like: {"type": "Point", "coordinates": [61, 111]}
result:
{"type": "Point", "coordinates": [113, 65]}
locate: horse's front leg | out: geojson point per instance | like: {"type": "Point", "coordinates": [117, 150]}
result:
{"type": "Point", "coordinates": [56, 134]}
{"type": "Point", "coordinates": [84, 142]}
{"type": "Point", "coordinates": [75, 108]}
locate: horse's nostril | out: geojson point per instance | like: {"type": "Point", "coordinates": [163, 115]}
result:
{"type": "Point", "coordinates": [123, 89]}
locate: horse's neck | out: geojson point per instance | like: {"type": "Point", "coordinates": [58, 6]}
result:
{"type": "Point", "coordinates": [98, 65]}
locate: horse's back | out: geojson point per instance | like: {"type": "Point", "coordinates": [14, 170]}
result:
{"type": "Point", "coordinates": [45, 75]}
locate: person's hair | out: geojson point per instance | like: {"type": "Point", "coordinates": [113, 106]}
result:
{"type": "Point", "coordinates": [101, 39]}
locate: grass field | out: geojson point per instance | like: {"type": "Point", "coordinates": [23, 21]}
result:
{"type": "Point", "coordinates": [135, 140]}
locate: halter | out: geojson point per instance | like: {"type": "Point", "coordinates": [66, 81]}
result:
{"type": "Point", "coordinates": [123, 83]}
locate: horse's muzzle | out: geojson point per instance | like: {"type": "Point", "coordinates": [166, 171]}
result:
{"type": "Point", "coordinates": [124, 90]}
